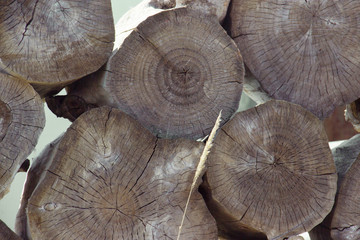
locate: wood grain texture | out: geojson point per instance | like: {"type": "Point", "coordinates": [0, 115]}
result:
{"type": "Point", "coordinates": [301, 51]}
{"type": "Point", "coordinates": [343, 221]}
{"type": "Point", "coordinates": [22, 119]}
{"type": "Point", "coordinates": [174, 72]}
{"type": "Point", "coordinates": [36, 172]}
{"type": "Point", "coordinates": [51, 43]}
{"type": "Point", "coordinates": [112, 179]}
{"type": "Point", "coordinates": [271, 171]}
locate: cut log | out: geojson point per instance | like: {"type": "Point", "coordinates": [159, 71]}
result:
{"type": "Point", "coordinates": [52, 43]}
{"type": "Point", "coordinates": [37, 170]}
{"type": "Point", "coordinates": [112, 179]}
{"type": "Point", "coordinates": [352, 114]}
{"type": "Point", "coordinates": [174, 72]}
{"type": "Point", "coordinates": [270, 173]}
{"type": "Point", "coordinates": [22, 120]}
{"type": "Point", "coordinates": [343, 221]}
{"type": "Point", "coordinates": [305, 52]}
{"type": "Point", "coordinates": [6, 233]}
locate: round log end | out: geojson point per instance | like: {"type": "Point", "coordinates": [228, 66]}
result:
{"type": "Point", "coordinates": [271, 171]}
{"type": "Point", "coordinates": [112, 179]}
{"type": "Point", "coordinates": [304, 52]}
{"type": "Point", "coordinates": [22, 119]}
{"type": "Point", "coordinates": [176, 85]}
{"type": "Point", "coordinates": [51, 43]}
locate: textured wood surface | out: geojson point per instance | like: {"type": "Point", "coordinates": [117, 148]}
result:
{"type": "Point", "coordinates": [112, 179]}
{"type": "Point", "coordinates": [37, 170]}
{"type": "Point", "coordinates": [271, 171]}
{"type": "Point", "coordinates": [301, 51]}
{"type": "Point", "coordinates": [173, 84]}
{"type": "Point", "coordinates": [343, 221]}
{"type": "Point", "coordinates": [22, 120]}
{"type": "Point", "coordinates": [53, 42]}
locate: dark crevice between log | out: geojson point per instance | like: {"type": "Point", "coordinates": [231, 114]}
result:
{"type": "Point", "coordinates": [69, 106]}
{"type": "Point", "coordinates": [355, 108]}
{"type": "Point", "coordinates": [228, 227]}
{"type": "Point", "coordinates": [24, 166]}
{"type": "Point", "coordinates": [227, 23]}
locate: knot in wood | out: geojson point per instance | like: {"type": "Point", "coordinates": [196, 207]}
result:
{"type": "Point", "coordinates": [50, 206]}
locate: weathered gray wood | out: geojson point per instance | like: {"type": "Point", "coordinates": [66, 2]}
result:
{"type": "Point", "coordinates": [37, 171]}
{"type": "Point", "coordinates": [270, 173]}
{"type": "Point", "coordinates": [22, 120]}
{"type": "Point", "coordinates": [305, 52]}
{"type": "Point", "coordinates": [181, 83]}
{"type": "Point", "coordinates": [51, 43]}
{"type": "Point", "coordinates": [344, 220]}
{"type": "Point", "coordinates": [112, 179]}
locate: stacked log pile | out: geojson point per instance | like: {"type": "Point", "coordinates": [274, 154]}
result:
{"type": "Point", "coordinates": [144, 100]}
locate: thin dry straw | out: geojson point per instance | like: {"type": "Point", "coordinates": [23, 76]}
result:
{"type": "Point", "coordinates": [200, 170]}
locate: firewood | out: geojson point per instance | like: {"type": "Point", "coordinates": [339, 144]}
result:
{"type": "Point", "coordinates": [51, 43]}
{"type": "Point", "coordinates": [7, 233]}
{"type": "Point", "coordinates": [270, 173]}
{"type": "Point", "coordinates": [22, 120]}
{"type": "Point", "coordinates": [304, 52]}
{"type": "Point", "coordinates": [37, 170]}
{"type": "Point", "coordinates": [343, 221]}
{"type": "Point", "coordinates": [112, 179]}
{"type": "Point", "coordinates": [173, 84]}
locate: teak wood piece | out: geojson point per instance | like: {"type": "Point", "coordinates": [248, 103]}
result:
{"type": "Point", "coordinates": [22, 120]}
{"type": "Point", "coordinates": [51, 43]}
{"type": "Point", "coordinates": [173, 72]}
{"type": "Point", "coordinates": [343, 222]}
{"type": "Point", "coordinates": [305, 52]}
{"type": "Point", "coordinates": [112, 179]}
{"type": "Point", "coordinates": [6, 233]}
{"type": "Point", "coordinates": [270, 173]}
